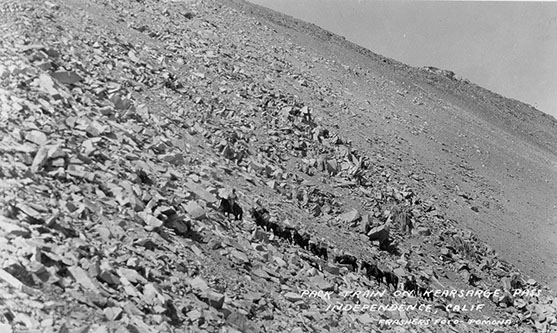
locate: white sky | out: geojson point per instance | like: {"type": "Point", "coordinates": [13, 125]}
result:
{"type": "Point", "coordinates": [507, 47]}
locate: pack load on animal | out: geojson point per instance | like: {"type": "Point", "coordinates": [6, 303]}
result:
{"type": "Point", "coordinates": [230, 206]}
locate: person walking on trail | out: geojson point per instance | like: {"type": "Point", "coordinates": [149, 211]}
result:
{"type": "Point", "coordinates": [232, 198]}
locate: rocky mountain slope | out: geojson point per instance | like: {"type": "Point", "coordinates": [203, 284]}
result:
{"type": "Point", "coordinates": [369, 189]}
{"type": "Point", "coordinates": [486, 151]}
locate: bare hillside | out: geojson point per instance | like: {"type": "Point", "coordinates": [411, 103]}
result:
{"type": "Point", "coordinates": [213, 166]}
{"type": "Point", "coordinates": [490, 160]}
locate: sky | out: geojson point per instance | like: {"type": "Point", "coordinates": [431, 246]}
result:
{"type": "Point", "coordinates": [507, 47]}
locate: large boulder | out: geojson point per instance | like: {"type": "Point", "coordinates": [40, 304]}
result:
{"type": "Point", "coordinates": [350, 216]}
{"type": "Point", "coordinates": [194, 210]}
{"type": "Point", "coordinates": [332, 166]}
{"type": "Point", "coordinates": [423, 231]}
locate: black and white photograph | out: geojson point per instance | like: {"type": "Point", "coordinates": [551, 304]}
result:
{"type": "Point", "coordinates": [289, 166]}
